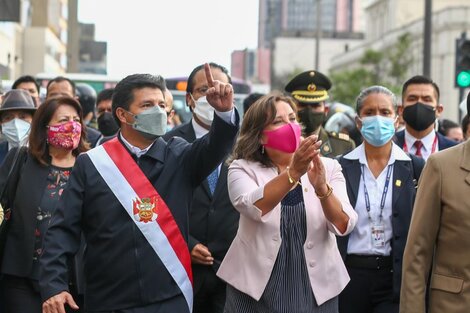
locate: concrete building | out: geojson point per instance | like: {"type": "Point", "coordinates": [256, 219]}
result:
{"type": "Point", "coordinates": [45, 40]}
{"type": "Point", "coordinates": [287, 30]}
{"type": "Point", "coordinates": [450, 18]}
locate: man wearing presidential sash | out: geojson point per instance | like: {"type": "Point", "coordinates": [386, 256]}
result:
{"type": "Point", "coordinates": [130, 197]}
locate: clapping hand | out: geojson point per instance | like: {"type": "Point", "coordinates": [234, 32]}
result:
{"type": "Point", "coordinates": [219, 95]}
{"type": "Point", "coordinates": [303, 156]}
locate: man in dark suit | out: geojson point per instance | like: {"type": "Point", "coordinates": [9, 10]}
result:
{"type": "Point", "coordinates": [62, 86]}
{"type": "Point", "coordinates": [420, 108]}
{"type": "Point", "coordinates": [213, 221]}
{"type": "Point", "coordinates": [135, 221]}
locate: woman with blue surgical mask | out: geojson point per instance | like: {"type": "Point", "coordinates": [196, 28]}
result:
{"type": "Point", "coordinates": [381, 183]}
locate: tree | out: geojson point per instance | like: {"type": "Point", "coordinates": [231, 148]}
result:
{"type": "Point", "coordinates": [388, 68]}
{"type": "Point", "coordinates": [348, 84]}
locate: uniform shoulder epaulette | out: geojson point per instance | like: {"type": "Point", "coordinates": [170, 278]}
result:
{"type": "Point", "coordinates": [341, 136]}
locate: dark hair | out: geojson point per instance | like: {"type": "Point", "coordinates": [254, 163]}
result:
{"type": "Point", "coordinates": [445, 125]}
{"type": "Point", "coordinates": [465, 123]}
{"type": "Point", "coordinates": [123, 94]}
{"type": "Point", "coordinates": [375, 90]}
{"type": "Point", "coordinates": [261, 114]}
{"type": "Point", "coordinates": [25, 79]}
{"type": "Point", "coordinates": [60, 79]}
{"type": "Point", "coordinates": [419, 80]}
{"type": "Point", "coordinates": [190, 84]}
{"type": "Point", "coordinates": [38, 137]}
{"type": "Point", "coordinates": [105, 94]}
{"type": "Point", "coordinates": [252, 98]}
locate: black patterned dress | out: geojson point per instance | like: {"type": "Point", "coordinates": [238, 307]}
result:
{"type": "Point", "coordinates": [288, 289]}
{"type": "Point", "coordinates": [56, 181]}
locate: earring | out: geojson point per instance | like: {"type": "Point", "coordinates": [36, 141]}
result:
{"type": "Point", "coordinates": [262, 149]}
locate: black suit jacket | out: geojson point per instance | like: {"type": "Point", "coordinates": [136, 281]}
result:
{"type": "Point", "coordinates": [3, 151]}
{"type": "Point", "coordinates": [19, 246]}
{"type": "Point", "coordinates": [93, 136]}
{"type": "Point", "coordinates": [442, 141]}
{"type": "Point", "coordinates": [403, 197]}
{"type": "Point", "coordinates": [121, 268]}
{"type": "Point", "coordinates": [213, 220]}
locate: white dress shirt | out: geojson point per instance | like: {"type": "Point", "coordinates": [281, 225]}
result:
{"type": "Point", "coordinates": [360, 239]}
{"type": "Point", "coordinates": [426, 149]}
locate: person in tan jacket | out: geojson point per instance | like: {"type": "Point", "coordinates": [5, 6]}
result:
{"type": "Point", "coordinates": [439, 236]}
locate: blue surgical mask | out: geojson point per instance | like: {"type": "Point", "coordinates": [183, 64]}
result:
{"type": "Point", "coordinates": [378, 130]}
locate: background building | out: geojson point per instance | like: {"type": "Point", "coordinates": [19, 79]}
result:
{"type": "Point", "coordinates": [286, 38]}
{"type": "Point", "coordinates": [385, 25]}
{"type": "Point", "coordinates": [45, 36]}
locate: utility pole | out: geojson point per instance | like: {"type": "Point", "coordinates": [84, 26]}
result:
{"type": "Point", "coordinates": [318, 36]}
{"type": "Point", "coordinates": [427, 38]}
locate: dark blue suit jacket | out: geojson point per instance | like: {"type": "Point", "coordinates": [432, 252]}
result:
{"type": "Point", "coordinates": [3, 151]}
{"type": "Point", "coordinates": [403, 197]}
{"type": "Point", "coordinates": [442, 141]}
{"type": "Point", "coordinates": [213, 221]}
{"type": "Point", "coordinates": [121, 268]}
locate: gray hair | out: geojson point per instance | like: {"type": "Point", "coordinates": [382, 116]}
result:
{"type": "Point", "coordinates": [375, 89]}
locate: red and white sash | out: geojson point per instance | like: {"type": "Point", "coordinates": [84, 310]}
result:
{"type": "Point", "coordinates": [147, 210]}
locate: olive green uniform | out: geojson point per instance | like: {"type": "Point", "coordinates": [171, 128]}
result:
{"type": "Point", "coordinates": [334, 144]}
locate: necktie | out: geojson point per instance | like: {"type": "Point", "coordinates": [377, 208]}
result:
{"type": "Point", "coordinates": [212, 179]}
{"type": "Point", "coordinates": [418, 145]}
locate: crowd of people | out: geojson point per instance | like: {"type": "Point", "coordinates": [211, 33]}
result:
{"type": "Point", "coordinates": [108, 206]}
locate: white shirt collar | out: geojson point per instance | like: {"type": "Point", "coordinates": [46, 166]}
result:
{"type": "Point", "coordinates": [427, 140]}
{"type": "Point", "coordinates": [135, 150]}
{"type": "Point", "coordinates": [199, 131]}
{"type": "Point", "coordinates": [360, 154]}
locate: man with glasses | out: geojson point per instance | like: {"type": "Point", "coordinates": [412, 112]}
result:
{"type": "Point", "coordinates": [213, 221]}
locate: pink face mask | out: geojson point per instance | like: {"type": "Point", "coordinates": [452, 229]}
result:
{"type": "Point", "coordinates": [285, 138]}
{"type": "Point", "coordinates": [65, 136]}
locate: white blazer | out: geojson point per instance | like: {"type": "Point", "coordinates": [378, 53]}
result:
{"type": "Point", "coordinates": [249, 262]}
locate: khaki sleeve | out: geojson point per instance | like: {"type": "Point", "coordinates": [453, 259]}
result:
{"type": "Point", "coordinates": [425, 223]}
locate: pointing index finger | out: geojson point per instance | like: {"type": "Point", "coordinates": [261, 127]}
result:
{"type": "Point", "coordinates": [210, 79]}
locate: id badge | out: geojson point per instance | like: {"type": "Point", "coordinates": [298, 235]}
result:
{"type": "Point", "coordinates": [378, 235]}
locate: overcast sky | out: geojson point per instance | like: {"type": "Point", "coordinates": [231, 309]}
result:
{"type": "Point", "coordinates": [170, 37]}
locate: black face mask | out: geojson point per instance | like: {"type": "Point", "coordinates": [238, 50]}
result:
{"type": "Point", "coordinates": [419, 116]}
{"type": "Point", "coordinates": [310, 120]}
{"type": "Point", "coordinates": [107, 125]}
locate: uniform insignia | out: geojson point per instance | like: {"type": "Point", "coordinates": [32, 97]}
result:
{"type": "Point", "coordinates": [325, 148]}
{"type": "Point", "coordinates": [145, 210]}
{"type": "Point", "coordinates": [398, 183]}
{"type": "Point", "coordinates": [343, 136]}
{"type": "Point", "coordinates": [311, 87]}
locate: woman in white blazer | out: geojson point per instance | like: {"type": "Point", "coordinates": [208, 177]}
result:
{"type": "Point", "coordinates": [292, 203]}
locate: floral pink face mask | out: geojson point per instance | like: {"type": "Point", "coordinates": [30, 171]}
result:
{"type": "Point", "coordinates": [65, 136]}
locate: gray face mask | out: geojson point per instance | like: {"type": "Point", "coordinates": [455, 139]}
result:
{"type": "Point", "coordinates": [151, 123]}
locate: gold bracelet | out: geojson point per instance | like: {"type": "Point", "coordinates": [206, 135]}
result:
{"type": "Point", "coordinates": [328, 193]}
{"type": "Point", "coordinates": [291, 180]}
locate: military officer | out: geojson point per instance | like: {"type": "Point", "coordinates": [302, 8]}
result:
{"type": "Point", "coordinates": [310, 89]}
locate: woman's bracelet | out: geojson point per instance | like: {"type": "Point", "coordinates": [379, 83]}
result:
{"type": "Point", "coordinates": [291, 180]}
{"type": "Point", "coordinates": [327, 194]}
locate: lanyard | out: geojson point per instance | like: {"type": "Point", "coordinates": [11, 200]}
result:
{"type": "Point", "coordinates": [384, 193]}
{"type": "Point", "coordinates": [433, 148]}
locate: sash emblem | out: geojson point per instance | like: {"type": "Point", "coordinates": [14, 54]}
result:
{"type": "Point", "coordinates": [145, 209]}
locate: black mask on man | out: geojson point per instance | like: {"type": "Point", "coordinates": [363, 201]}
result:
{"type": "Point", "coordinates": [311, 120]}
{"type": "Point", "coordinates": [107, 124]}
{"type": "Point", "coordinates": [419, 116]}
